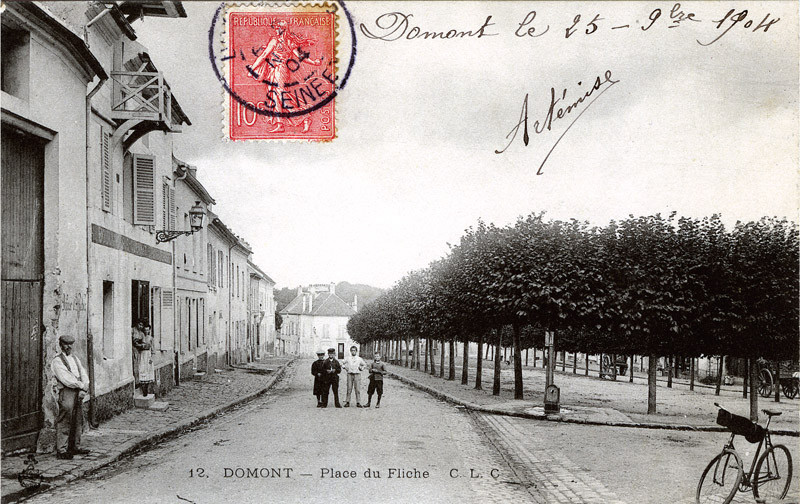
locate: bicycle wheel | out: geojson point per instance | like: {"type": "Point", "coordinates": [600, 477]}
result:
{"type": "Point", "coordinates": [773, 474]}
{"type": "Point", "coordinates": [765, 382]}
{"type": "Point", "coordinates": [720, 480]}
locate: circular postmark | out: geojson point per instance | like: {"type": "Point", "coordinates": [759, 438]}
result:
{"type": "Point", "coordinates": [278, 65]}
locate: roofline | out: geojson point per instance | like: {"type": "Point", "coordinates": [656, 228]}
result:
{"type": "Point", "coordinates": [230, 235]}
{"type": "Point", "coordinates": [192, 181]}
{"type": "Point", "coordinates": [69, 38]}
{"type": "Point", "coordinates": [260, 271]}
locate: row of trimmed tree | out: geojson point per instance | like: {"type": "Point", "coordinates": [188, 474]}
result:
{"type": "Point", "coordinates": [649, 285]}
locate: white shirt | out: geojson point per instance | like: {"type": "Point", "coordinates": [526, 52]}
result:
{"type": "Point", "coordinates": [75, 377]}
{"type": "Point", "coordinates": [354, 364]}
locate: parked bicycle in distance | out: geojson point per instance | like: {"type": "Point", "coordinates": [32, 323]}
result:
{"type": "Point", "coordinates": [770, 475]}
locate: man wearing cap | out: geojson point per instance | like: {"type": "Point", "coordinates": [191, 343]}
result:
{"type": "Point", "coordinates": [72, 383]}
{"type": "Point", "coordinates": [330, 372]}
{"type": "Point", "coordinates": [316, 371]}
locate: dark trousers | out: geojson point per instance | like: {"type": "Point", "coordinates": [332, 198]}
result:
{"type": "Point", "coordinates": [331, 384]}
{"type": "Point", "coordinates": [69, 422]}
{"type": "Point", "coordinates": [375, 386]}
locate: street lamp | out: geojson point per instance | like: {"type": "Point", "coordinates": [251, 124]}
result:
{"type": "Point", "coordinates": [197, 218]}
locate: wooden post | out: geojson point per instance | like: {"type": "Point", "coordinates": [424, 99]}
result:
{"type": "Point", "coordinates": [614, 367]}
{"type": "Point", "coordinates": [719, 374]}
{"type": "Point", "coordinates": [691, 373]}
{"type": "Point", "coordinates": [427, 351]}
{"type": "Point", "coordinates": [778, 381]}
{"type": "Point", "coordinates": [479, 365]}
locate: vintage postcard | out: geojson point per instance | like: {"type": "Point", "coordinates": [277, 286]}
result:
{"type": "Point", "coordinates": [400, 252]}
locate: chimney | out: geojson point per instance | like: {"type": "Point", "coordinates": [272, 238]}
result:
{"type": "Point", "coordinates": [299, 289]}
{"type": "Point", "coordinates": [304, 303]}
{"type": "Point", "coordinates": [310, 302]}
{"type": "Point", "coordinates": [332, 288]}
{"type": "Point", "coordinates": [355, 302]}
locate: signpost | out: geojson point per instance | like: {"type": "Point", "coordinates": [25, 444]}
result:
{"type": "Point", "coordinates": [552, 394]}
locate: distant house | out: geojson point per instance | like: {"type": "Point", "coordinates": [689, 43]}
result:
{"type": "Point", "coordinates": [316, 319]}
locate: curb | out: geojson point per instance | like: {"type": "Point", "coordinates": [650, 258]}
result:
{"type": "Point", "coordinates": [161, 434]}
{"type": "Point", "coordinates": [555, 418]}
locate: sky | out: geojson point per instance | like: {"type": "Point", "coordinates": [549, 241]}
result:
{"type": "Point", "coordinates": [696, 129]}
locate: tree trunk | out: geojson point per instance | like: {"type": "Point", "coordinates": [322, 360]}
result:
{"type": "Point", "coordinates": [691, 374]}
{"type": "Point", "coordinates": [670, 365]}
{"type": "Point", "coordinates": [719, 374]}
{"type": "Point", "coordinates": [586, 364]}
{"type": "Point", "coordinates": [505, 354]}
{"type": "Point", "coordinates": [441, 361]}
{"type": "Point", "coordinates": [575, 363]}
{"type": "Point", "coordinates": [417, 352]}
{"type": "Point", "coordinates": [479, 370]}
{"type": "Point", "coordinates": [465, 362]}
{"type": "Point", "coordinates": [600, 365]}
{"type": "Point", "coordinates": [427, 352]}
{"type": "Point", "coordinates": [563, 361]}
{"type": "Point", "coordinates": [614, 367]}
{"type": "Point", "coordinates": [746, 377]}
{"type": "Point", "coordinates": [526, 357]}
{"type": "Point", "coordinates": [534, 356]}
{"type": "Point", "coordinates": [651, 383]}
{"type": "Point", "coordinates": [451, 375]}
{"type": "Point", "coordinates": [498, 334]}
{"type": "Point", "coordinates": [778, 382]}
{"type": "Point", "coordinates": [432, 343]}
{"type": "Point", "coordinates": [517, 363]}
{"type": "Point", "coordinates": [630, 370]}
{"type": "Point", "coordinates": [753, 369]}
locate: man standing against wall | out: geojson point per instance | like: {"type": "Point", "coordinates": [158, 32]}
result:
{"type": "Point", "coordinates": [72, 383]}
{"type": "Point", "coordinates": [354, 364]}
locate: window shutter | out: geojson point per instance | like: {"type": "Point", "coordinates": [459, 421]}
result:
{"type": "Point", "coordinates": [172, 209]}
{"type": "Point", "coordinates": [144, 201]}
{"type": "Point", "coordinates": [164, 206]}
{"type": "Point", "coordinates": [105, 166]}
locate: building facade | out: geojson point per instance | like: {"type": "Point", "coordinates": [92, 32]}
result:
{"type": "Point", "coordinates": [90, 189]}
{"type": "Point", "coordinates": [316, 319]}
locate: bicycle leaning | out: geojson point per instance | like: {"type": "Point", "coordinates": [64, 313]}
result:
{"type": "Point", "coordinates": [770, 475]}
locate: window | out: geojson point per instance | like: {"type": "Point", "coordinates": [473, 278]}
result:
{"type": "Point", "coordinates": [105, 169]}
{"type": "Point", "coordinates": [144, 203]}
{"type": "Point", "coordinates": [140, 302]}
{"type": "Point", "coordinates": [108, 320]}
{"type": "Point", "coordinates": [15, 62]}
{"type": "Point", "coordinates": [221, 267]}
{"type": "Point", "coordinates": [211, 265]}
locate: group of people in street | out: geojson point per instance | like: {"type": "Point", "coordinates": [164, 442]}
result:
{"type": "Point", "coordinates": [326, 373]}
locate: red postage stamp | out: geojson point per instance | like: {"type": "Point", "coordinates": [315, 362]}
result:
{"type": "Point", "coordinates": [281, 68]}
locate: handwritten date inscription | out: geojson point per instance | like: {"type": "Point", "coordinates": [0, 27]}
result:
{"type": "Point", "coordinates": [395, 26]}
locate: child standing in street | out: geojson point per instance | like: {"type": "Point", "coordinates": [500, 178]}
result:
{"type": "Point", "coordinates": [376, 371]}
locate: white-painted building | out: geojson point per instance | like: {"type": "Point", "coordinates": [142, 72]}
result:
{"type": "Point", "coordinates": [316, 319]}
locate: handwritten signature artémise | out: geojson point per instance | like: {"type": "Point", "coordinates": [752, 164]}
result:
{"type": "Point", "coordinates": [560, 108]}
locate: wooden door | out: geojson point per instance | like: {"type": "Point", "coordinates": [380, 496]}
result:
{"type": "Point", "coordinates": [22, 281]}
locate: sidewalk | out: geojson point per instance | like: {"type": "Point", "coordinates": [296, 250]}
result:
{"type": "Point", "coordinates": [591, 400]}
{"type": "Point", "coordinates": [189, 404]}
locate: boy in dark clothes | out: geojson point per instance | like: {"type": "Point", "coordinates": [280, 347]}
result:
{"type": "Point", "coordinates": [316, 370]}
{"type": "Point", "coordinates": [376, 371]}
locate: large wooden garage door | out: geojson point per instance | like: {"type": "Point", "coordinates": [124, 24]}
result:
{"type": "Point", "coordinates": [22, 279]}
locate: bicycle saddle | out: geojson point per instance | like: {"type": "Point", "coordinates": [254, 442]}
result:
{"type": "Point", "coordinates": [771, 413]}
